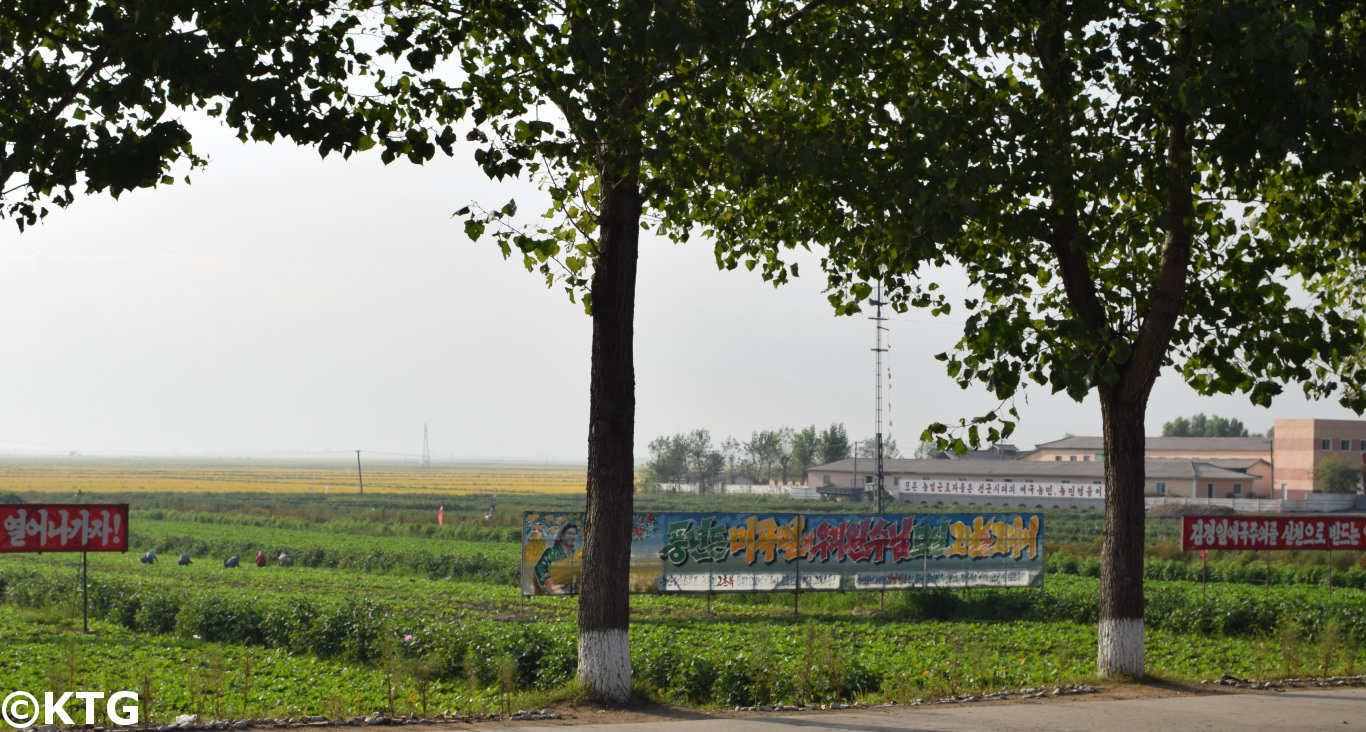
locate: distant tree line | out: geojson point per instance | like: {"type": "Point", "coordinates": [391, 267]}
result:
{"type": "Point", "coordinates": [782, 454]}
{"type": "Point", "coordinates": [1202, 426]}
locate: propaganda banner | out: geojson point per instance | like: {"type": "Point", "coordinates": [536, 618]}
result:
{"type": "Point", "coordinates": [969, 488]}
{"type": "Point", "coordinates": [786, 552]}
{"type": "Point", "coordinates": [1270, 533]}
{"type": "Point", "coordinates": [53, 527]}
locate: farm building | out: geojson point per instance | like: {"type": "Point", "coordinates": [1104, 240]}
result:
{"type": "Point", "coordinates": [1031, 482]}
{"type": "Point", "coordinates": [1184, 467]}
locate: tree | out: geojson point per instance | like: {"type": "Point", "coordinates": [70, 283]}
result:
{"type": "Point", "coordinates": [89, 90]}
{"type": "Point", "coordinates": [834, 444]}
{"type": "Point", "coordinates": [806, 443]}
{"type": "Point", "coordinates": [684, 458]}
{"type": "Point", "coordinates": [868, 448]}
{"type": "Point", "coordinates": [768, 451]}
{"type": "Point", "coordinates": [668, 460]}
{"type": "Point", "coordinates": [732, 452]}
{"type": "Point", "coordinates": [1202, 426]}
{"type": "Point", "coordinates": [1337, 474]}
{"type": "Point", "coordinates": [1123, 185]}
{"type": "Point", "coordinates": [604, 104]}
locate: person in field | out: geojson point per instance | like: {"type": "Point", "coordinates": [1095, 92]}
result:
{"type": "Point", "coordinates": [261, 558]}
{"type": "Point", "coordinates": [184, 560]}
{"type": "Point", "coordinates": [285, 560]}
{"type": "Point", "coordinates": [561, 548]}
{"type": "Point", "coordinates": [232, 561]}
{"type": "Point", "coordinates": [148, 558]}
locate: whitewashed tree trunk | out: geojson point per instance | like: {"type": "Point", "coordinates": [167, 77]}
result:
{"type": "Point", "coordinates": [605, 664]}
{"type": "Point", "coordinates": [1120, 648]}
{"type": "Point", "coordinates": [1119, 645]}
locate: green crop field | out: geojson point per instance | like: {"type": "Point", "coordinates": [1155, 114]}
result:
{"type": "Point", "coordinates": [385, 610]}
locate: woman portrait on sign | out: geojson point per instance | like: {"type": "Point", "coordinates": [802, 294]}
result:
{"type": "Point", "coordinates": [561, 548]}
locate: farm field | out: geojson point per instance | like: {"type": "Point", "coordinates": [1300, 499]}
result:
{"type": "Point", "coordinates": [387, 611]}
{"type": "Point", "coordinates": [106, 475]}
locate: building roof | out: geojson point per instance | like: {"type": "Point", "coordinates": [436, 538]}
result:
{"type": "Point", "coordinates": [1002, 451]}
{"type": "Point", "coordinates": [1166, 443]}
{"type": "Point", "coordinates": [1230, 463]}
{"type": "Point", "coordinates": [1156, 469]}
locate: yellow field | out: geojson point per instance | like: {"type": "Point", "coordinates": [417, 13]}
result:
{"type": "Point", "coordinates": [225, 476]}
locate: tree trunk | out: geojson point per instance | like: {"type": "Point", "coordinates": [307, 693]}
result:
{"type": "Point", "coordinates": [604, 609]}
{"type": "Point", "coordinates": [1120, 646]}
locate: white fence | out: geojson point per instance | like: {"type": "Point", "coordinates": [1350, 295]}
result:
{"type": "Point", "coordinates": [744, 489]}
{"type": "Point", "coordinates": [1313, 503]}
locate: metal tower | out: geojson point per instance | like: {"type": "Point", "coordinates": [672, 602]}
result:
{"type": "Point", "coordinates": [878, 319]}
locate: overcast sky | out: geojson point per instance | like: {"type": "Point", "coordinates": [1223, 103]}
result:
{"type": "Point", "coordinates": [285, 305]}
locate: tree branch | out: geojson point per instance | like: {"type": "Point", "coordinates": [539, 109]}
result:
{"type": "Point", "coordinates": [1154, 336]}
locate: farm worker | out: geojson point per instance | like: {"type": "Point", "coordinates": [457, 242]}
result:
{"type": "Point", "coordinates": [231, 561]}
{"type": "Point", "coordinates": [148, 558]}
{"type": "Point", "coordinates": [563, 547]}
{"type": "Point", "coordinates": [285, 560]}
{"type": "Point", "coordinates": [261, 558]}
{"type": "Point", "coordinates": [184, 559]}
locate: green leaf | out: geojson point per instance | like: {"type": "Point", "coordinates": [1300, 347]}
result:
{"type": "Point", "coordinates": [474, 230]}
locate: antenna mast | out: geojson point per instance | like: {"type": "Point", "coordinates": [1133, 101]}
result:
{"type": "Point", "coordinates": [878, 319]}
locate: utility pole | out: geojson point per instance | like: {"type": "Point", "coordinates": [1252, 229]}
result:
{"type": "Point", "coordinates": [426, 449]}
{"type": "Point", "coordinates": [878, 319]}
{"type": "Point", "coordinates": [360, 478]}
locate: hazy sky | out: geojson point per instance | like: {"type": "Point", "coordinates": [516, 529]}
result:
{"type": "Point", "coordinates": [283, 305]}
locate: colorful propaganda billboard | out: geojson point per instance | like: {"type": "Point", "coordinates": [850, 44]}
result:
{"type": "Point", "coordinates": [785, 552]}
{"type": "Point", "coordinates": [51, 527]}
{"type": "Point", "coordinates": [1269, 533]}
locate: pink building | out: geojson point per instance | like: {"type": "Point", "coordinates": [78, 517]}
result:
{"type": "Point", "coordinates": [1302, 443]}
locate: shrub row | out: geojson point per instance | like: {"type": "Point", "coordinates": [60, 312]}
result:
{"type": "Point", "coordinates": [354, 630]}
{"type": "Point", "coordinates": [743, 680]}
{"type": "Point", "coordinates": [456, 530]}
{"type": "Point", "coordinates": [472, 567]}
{"type": "Point", "coordinates": [1216, 571]}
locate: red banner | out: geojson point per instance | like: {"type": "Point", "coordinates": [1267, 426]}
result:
{"type": "Point", "coordinates": [1272, 532]}
{"type": "Point", "coordinates": [55, 527]}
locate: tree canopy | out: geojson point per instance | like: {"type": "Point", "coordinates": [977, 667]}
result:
{"type": "Point", "coordinates": [92, 92]}
{"type": "Point", "coordinates": [1201, 426]}
{"type": "Point", "coordinates": [782, 454]}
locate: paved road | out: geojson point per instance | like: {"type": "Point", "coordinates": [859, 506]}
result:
{"type": "Point", "coordinates": [1295, 709]}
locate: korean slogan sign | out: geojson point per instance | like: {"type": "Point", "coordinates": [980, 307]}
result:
{"type": "Point", "coordinates": [1260, 533]}
{"type": "Point", "coordinates": [761, 552]}
{"type": "Point", "coordinates": [64, 528]}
